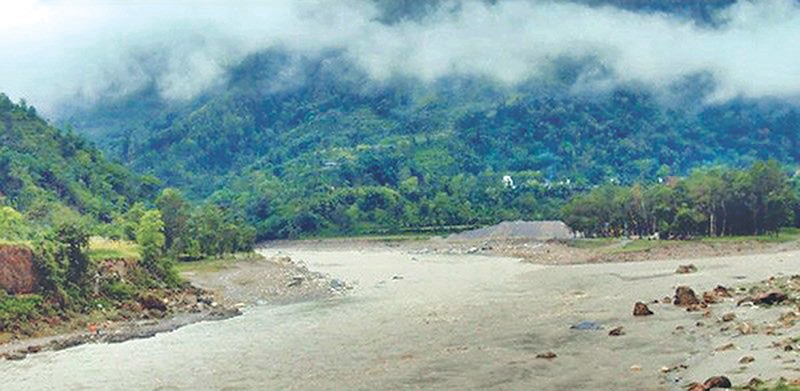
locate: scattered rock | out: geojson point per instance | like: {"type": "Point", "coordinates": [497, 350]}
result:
{"type": "Point", "coordinates": [722, 291]}
{"type": "Point", "coordinates": [765, 298]}
{"type": "Point", "coordinates": [296, 281]}
{"type": "Point", "coordinates": [685, 297]}
{"type": "Point", "coordinates": [686, 269]}
{"type": "Point", "coordinates": [617, 331]}
{"type": "Point", "coordinates": [728, 317]}
{"type": "Point", "coordinates": [152, 302]}
{"type": "Point", "coordinates": [746, 360]}
{"type": "Point", "coordinates": [745, 328]}
{"type": "Point", "coordinates": [547, 355]}
{"type": "Point", "coordinates": [587, 325]}
{"type": "Point", "coordinates": [770, 298]}
{"type": "Point", "coordinates": [727, 346]}
{"type": "Point", "coordinates": [640, 309]}
{"type": "Point", "coordinates": [16, 356]}
{"type": "Point", "coordinates": [717, 382]}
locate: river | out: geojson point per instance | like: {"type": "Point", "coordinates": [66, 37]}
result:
{"type": "Point", "coordinates": [416, 321]}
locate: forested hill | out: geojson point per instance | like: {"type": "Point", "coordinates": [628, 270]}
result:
{"type": "Point", "coordinates": [43, 170]}
{"type": "Point", "coordinates": [313, 145]}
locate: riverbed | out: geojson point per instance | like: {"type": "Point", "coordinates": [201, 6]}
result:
{"type": "Point", "coordinates": [433, 321]}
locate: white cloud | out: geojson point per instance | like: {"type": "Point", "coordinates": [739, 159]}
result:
{"type": "Point", "coordinates": [54, 48]}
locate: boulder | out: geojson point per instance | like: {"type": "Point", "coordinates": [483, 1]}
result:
{"type": "Point", "coordinates": [728, 317]}
{"type": "Point", "coordinates": [770, 298]}
{"type": "Point", "coordinates": [686, 269]}
{"type": "Point", "coordinates": [18, 274]}
{"type": "Point", "coordinates": [547, 355]}
{"type": "Point", "coordinates": [150, 301]}
{"type": "Point", "coordinates": [717, 382]}
{"type": "Point", "coordinates": [685, 297]}
{"type": "Point", "coordinates": [617, 331]}
{"type": "Point", "coordinates": [640, 309]}
{"type": "Point", "coordinates": [721, 291]}
{"type": "Point", "coordinates": [587, 325]}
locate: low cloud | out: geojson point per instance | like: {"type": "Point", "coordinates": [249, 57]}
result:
{"type": "Point", "coordinates": [94, 49]}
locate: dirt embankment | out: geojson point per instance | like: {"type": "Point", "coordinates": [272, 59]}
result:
{"type": "Point", "coordinates": [18, 273]}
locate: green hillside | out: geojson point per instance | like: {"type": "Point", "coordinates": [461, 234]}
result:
{"type": "Point", "coordinates": [337, 153]}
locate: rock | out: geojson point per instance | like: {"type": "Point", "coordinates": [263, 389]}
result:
{"type": "Point", "coordinates": [686, 269]}
{"type": "Point", "coordinates": [727, 346]}
{"type": "Point", "coordinates": [547, 355]}
{"type": "Point", "coordinates": [616, 332]}
{"type": "Point", "coordinates": [696, 387]}
{"type": "Point", "coordinates": [587, 325]}
{"type": "Point", "coordinates": [337, 284]}
{"type": "Point", "coordinates": [16, 356]}
{"type": "Point", "coordinates": [746, 360]}
{"type": "Point", "coordinates": [721, 291]}
{"type": "Point", "coordinates": [636, 368]}
{"type": "Point", "coordinates": [397, 277]}
{"type": "Point", "coordinates": [710, 298]}
{"type": "Point", "coordinates": [296, 281]}
{"type": "Point", "coordinates": [770, 298]}
{"type": "Point", "coordinates": [150, 301]}
{"type": "Point", "coordinates": [717, 382]}
{"type": "Point", "coordinates": [640, 309]}
{"type": "Point", "coordinates": [728, 317]}
{"type": "Point", "coordinates": [745, 328]}
{"type": "Point", "coordinates": [666, 300]}
{"type": "Point", "coordinates": [685, 297]}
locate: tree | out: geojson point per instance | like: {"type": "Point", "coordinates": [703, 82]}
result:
{"type": "Point", "coordinates": [150, 236]}
{"type": "Point", "coordinates": [175, 211]}
{"type": "Point", "coordinates": [73, 234]}
{"type": "Point", "coordinates": [12, 224]}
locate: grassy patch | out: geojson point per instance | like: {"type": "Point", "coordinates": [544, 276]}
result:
{"type": "Point", "coordinates": [217, 263]}
{"type": "Point", "coordinates": [784, 236]}
{"type": "Point", "coordinates": [641, 245]}
{"type": "Point", "coordinates": [590, 243]}
{"type": "Point", "coordinates": [102, 248]}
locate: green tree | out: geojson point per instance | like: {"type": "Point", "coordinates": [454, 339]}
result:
{"type": "Point", "coordinates": [12, 224]}
{"type": "Point", "coordinates": [175, 211]}
{"type": "Point", "coordinates": [150, 236]}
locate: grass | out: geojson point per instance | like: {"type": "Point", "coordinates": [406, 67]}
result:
{"type": "Point", "coordinates": [102, 248]}
{"type": "Point", "coordinates": [590, 243]}
{"type": "Point", "coordinates": [784, 236]}
{"type": "Point", "coordinates": [217, 263]}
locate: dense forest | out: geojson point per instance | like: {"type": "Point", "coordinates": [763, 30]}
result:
{"type": "Point", "coordinates": [715, 201]}
{"type": "Point", "coordinates": [334, 152]}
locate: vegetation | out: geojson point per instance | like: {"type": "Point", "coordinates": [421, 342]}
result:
{"type": "Point", "coordinates": [57, 191]}
{"type": "Point", "coordinates": [711, 202]}
{"type": "Point", "coordinates": [339, 154]}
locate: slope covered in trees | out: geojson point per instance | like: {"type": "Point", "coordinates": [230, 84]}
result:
{"type": "Point", "coordinates": [309, 146]}
{"type": "Point", "coordinates": [44, 170]}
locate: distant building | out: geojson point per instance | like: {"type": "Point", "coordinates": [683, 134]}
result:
{"type": "Point", "coordinates": [508, 182]}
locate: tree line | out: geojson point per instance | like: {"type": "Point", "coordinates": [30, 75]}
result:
{"type": "Point", "coordinates": [716, 201]}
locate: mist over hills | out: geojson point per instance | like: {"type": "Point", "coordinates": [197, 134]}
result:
{"type": "Point", "coordinates": [372, 115]}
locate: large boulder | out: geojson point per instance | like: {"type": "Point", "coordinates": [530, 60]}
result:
{"type": "Point", "coordinates": [18, 273]}
{"type": "Point", "coordinates": [685, 297]}
{"type": "Point", "coordinates": [640, 309]}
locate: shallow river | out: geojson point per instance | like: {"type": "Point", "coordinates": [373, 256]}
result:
{"type": "Point", "coordinates": [444, 322]}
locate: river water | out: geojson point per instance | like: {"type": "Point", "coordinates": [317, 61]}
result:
{"type": "Point", "coordinates": [412, 321]}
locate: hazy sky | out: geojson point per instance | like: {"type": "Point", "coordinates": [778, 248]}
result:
{"type": "Point", "coordinates": [53, 49]}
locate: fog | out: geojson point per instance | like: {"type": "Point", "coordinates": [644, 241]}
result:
{"type": "Point", "coordinates": [61, 50]}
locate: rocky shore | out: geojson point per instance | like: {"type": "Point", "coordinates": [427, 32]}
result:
{"type": "Point", "coordinates": [215, 293]}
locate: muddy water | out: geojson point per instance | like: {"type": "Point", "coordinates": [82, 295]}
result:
{"type": "Point", "coordinates": [417, 321]}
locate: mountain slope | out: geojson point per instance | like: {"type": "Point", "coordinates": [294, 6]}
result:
{"type": "Point", "coordinates": [313, 145]}
{"type": "Point", "coordinates": [42, 168]}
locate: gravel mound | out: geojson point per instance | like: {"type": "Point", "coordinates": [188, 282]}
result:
{"type": "Point", "coordinates": [533, 230]}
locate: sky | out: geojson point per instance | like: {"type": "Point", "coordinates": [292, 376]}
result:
{"type": "Point", "coordinates": [55, 50]}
